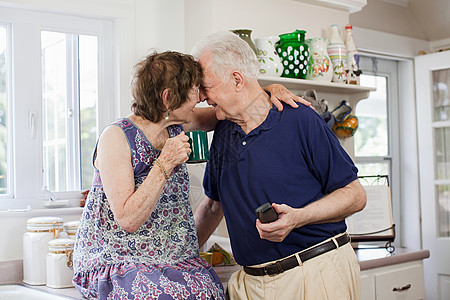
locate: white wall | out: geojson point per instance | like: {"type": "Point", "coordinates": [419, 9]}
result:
{"type": "Point", "coordinates": [388, 17]}
{"type": "Point", "coordinates": [388, 44]}
{"type": "Point", "coordinates": [264, 17]}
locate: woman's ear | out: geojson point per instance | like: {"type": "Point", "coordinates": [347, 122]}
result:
{"type": "Point", "coordinates": [165, 98]}
{"type": "Point", "coordinates": [238, 80]}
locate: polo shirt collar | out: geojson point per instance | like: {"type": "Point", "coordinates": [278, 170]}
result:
{"type": "Point", "coordinates": [272, 120]}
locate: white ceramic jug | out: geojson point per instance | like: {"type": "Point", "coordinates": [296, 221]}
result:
{"type": "Point", "coordinates": [269, 61]}
{"type": "Point", "coordinates": [319, 66]}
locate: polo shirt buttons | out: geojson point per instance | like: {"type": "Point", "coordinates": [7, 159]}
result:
{"type": "Point", "coordinates": [244, 143]}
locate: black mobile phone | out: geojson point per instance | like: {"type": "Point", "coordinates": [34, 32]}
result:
{"type": "Point", "coordinates": [266, 214]}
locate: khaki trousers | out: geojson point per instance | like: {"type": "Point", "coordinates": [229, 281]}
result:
{"type": "Point", "coordinates": [333, 275]}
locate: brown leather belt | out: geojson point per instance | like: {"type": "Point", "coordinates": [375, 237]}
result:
{"type": "Point", "coordinates": [291, 262]}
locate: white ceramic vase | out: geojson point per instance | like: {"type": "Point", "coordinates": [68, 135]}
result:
{"type": "Point", "coordinates": [269, 61]}
{"type": "Point", "coordinates": [319, 66]}
{"type": "Point", "coordinates": [336, 50]}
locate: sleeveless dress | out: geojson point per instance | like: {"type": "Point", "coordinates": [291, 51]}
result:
{"type": "Point", "coordinates": [158, 261]}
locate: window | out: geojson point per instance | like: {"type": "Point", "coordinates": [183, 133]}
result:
{"type": "Point", "coordinates": [4, 144]}
{"type": "Point", "coordinates": [371, 139]}
{"type": "Point", "coordinates": [69, 102]}
{"type": "Point", "coordinates": [60, 88]}
{"type": "Point", "coordinates": [377, 138]}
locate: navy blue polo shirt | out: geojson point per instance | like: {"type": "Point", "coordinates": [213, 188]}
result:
{"type": "Point", "coordinates": [292, 158]}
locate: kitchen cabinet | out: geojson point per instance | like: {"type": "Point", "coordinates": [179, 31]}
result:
{"type": "Point", "coordinates": [402, 281]}
{"type": "Point", "coordinates": [397, 275]}
{"type": "Point", "coordinates": [334, 93]}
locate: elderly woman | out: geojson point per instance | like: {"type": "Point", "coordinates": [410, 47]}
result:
{"type": "Point", "coordinates": [137, 236]}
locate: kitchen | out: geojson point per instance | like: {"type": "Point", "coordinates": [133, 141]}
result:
{"type": "Point", "coordinates": [390, 30]}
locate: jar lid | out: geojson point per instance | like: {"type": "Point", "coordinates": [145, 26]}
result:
{"type": "Point", "coordinates": [44, 223]}
{"type": "Point", "coordinates": [72, 225]}
{"type": "Point", "coordinates": [61, 244]}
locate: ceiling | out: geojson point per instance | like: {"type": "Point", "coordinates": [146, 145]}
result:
{"type": "Point", "coordinates": [433, 16]}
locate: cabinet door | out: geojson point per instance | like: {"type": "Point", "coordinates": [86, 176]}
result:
{"type": "Point", "coordinates": [405, 283]}
{"type": "Point", "coordinates": [367, 287]}
{"type": "Point", "coordinates": [433, 123]}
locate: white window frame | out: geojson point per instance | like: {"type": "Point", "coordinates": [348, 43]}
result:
{"type": "Point", "coordinates": [25, 107]}
{"type": "Point", "coordinates": [388, 68]}
{"type": "Point", "coordinates": [73, 121]}
{"type": "Point", "coordinates": [9, 111]}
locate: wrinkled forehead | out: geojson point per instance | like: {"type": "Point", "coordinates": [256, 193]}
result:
{"type": "Point", "coordinates": [214, 69]}
{"type": "Point", "coordinates": [205, 60]}
{"type": "Point", "coordinates": [209, 72]}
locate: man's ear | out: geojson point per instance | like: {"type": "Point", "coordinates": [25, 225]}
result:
{"type": "Point", "coordinates": [165, 98]}
{"type": "Point", "coordinates": [238, 80]}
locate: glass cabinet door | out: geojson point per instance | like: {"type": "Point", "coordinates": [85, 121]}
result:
{"type": "Point", "coordinates": [441, 127]}
{"type": "Point", "coordinates": [432, 74]}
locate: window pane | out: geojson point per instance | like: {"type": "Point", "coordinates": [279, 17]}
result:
{"type": "Point", "coordinates": [3, 114]}
{"type": "Point", "coordinates": [441, 100]}
{"type": "Point", "coordinates": [371, 139]}
{"type": "Point", "coordinates": [88, 64]}
{"type": "Point", "coordinates": [369, 169]}
{"type": "Point", "coordinates": [443, 192]}
{"type": "Point", "coordinates": [441, 95]}
{"type": "Point", "coordinates": [54, 98]}
{"type": "Point", "coordinates": [442, 138]}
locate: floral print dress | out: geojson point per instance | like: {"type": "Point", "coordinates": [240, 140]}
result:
{"type": "Point", "coordinates": [158, 261]}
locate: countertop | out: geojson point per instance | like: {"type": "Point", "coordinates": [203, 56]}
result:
{"type": "Point", "coordinates": [369, 258]}
{"type": "Point", "coordinates": [69, 293]}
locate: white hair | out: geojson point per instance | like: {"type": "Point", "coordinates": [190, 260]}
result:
{"type": "Point", "coordinates": [228, 52]}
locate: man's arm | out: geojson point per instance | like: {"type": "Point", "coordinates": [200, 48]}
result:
{"type": "Point", "coordinates": [207, 217]}
{"type": "Point", "coordinates": [332, 208]}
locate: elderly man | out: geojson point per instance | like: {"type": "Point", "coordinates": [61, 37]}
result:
{"type": "Point", "coordinates": [289, 159]}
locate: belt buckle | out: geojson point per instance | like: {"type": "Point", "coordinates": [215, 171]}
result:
{"type": "Point", "coordinates": [278, 265]}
